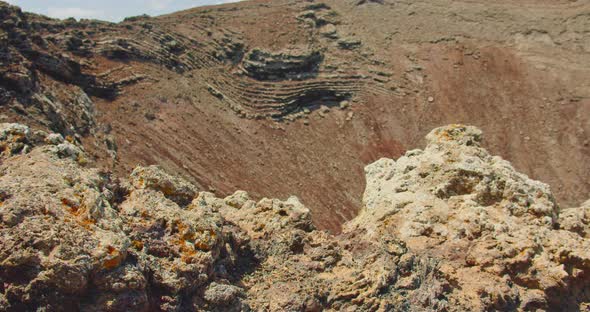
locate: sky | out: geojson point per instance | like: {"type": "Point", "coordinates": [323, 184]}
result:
{"type": "Point", "coordinates": [108, 10]}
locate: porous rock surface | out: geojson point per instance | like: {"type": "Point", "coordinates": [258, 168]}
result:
{"type": "Point", "coordinates": [448, 228]}
{"type": "Point", "coordinates": [499, 235]}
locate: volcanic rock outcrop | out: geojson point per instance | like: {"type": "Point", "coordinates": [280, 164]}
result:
{"type": "Point", "coordinates": [447, 228]}
{"type": "Point", "coordinates": [497, 233]}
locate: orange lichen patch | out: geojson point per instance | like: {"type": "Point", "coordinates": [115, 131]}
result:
{"type": "Point", "coordinates": [188, 252]}
{"type": "Point", "coordinates": [82, 160]}
{"type": "Point", "coordinates": [138, 245]}
{"type": "Point", "coordinates": [70, 139]}
{"type": "Point", "coordinates": [114, 258]}
{"type": "Point", "coordinates": [444, 135]}
{"type": "Point", "coordinates": [87, 223]}
{"type": "Point", "coordinates": [189, 242]}
{"type": "Point", "coordinates": [449, 134]}
{"type": "Point", "coordinates": [66, 202]}
{"type": "Point", "coordinates": [206, 246]}
{"type": "Point", "coordinates": [202, 246]}
{"type": "Point", "coordinates": [75, 209]}
{"type": "Point", "coordinates": [72, 206]}
{"type": "Point", "coordinates": [178, 226]}
{"type": "Point", "coordinates": [189, 248]}
{"type": "Point", "coordinates": [111, 250]}
{"type": "Point", "coordinates": [18, 137]}
{"type": "Point", "coordinates": [258, 227]}
{"type": "Point", "coordinates": [187, 260]}
{"type": "Point", "coordinates": [167, 190]}
{"type": "Point", "coordinates": [141, 182]}
{"type": "Point", "coordinates": [189, 236]}
{"type": "Point", "coordinates": [111, 263]}
{"type": "Point", "coordinates": [186, 232]}
{"type": "Point", "coordinates": [44, 210]}
{"type": "Point", "coordinates": [3, 197]}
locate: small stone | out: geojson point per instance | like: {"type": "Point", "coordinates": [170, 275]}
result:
{"type": "Point", "coordinates": [329, 31]}
{"type": "Point", "coordinates": [237, 199]}
{"type": "Point", "coordinates": [221, 294]}
{"type": "Point", "coordinates": [349, 43]}
{"type": "Point", "coordinates": [349, 116]}
{"type": "Point", "coordinates": [54, 139]}
{"type": "Point", "coordinates": [344, 104]}
{"type": "Point", "coordinates": [430, 99]}
{"type": "Point", "coordinates": [150, 116]}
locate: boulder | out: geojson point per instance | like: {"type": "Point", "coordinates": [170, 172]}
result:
{"type": "Point", "coordinates": [496, 232]}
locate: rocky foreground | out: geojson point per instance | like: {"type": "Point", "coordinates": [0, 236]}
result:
{"type": "Point", "coordinates": [447, 228]}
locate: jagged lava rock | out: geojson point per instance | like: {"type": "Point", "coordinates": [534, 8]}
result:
{"type": "Point", "coordinates": [57, 227]}
{"type": "Point", "coordinates": [496, 232]}
{"type": "Point", "coordinates": [447, 228]}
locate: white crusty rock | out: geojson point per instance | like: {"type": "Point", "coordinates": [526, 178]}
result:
{"type": "Point", "coordinates": [58, 232]}
{"type": "Point", "coordinates": [14, 138]}
{"type": "Point", "coordinates": [495, 231]}
{"type": "Point", "coordinates": [153, 177]}
{"type": "Point", "coordinates": [576, 220]}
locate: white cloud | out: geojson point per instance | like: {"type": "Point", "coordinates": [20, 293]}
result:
{"type": "Point", "coordinates": [159, 5]}
{"type": "Point", "coordinates": [78, 13]}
